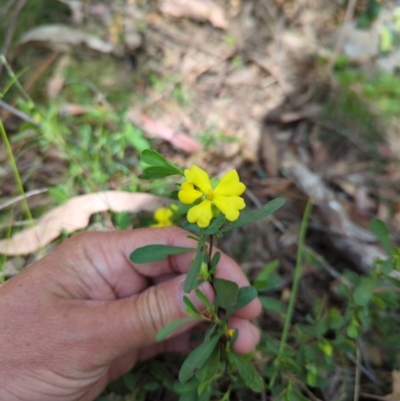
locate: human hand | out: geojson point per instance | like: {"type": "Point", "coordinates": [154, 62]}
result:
{"type": "Point", "coordinates": [84, 315]}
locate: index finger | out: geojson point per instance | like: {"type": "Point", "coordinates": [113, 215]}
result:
{"type": "Point", "coordinates": [109, 253]}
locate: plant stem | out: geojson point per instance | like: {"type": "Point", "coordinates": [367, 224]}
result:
{"type": "Point", "coordinates": [17, 177]}
{"type": "Point", "coordinates": [296, 282]}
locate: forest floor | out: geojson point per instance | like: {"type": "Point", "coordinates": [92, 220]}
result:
{"type": "Point", "coordinates": [302, 97]}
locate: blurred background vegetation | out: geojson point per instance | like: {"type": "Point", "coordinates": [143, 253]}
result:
{"type": "Point", "coordinates": [301, 96]}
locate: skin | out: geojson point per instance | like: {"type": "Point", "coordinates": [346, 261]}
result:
{"type": "Point", "coordinates": [84, 315]}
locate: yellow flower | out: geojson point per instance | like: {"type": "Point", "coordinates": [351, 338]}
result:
{"type": "Point", "coordinates": [225, 196]}
{"type": "Point", "coordinates": [163, 215]}
{"type": "Point", "coordinates": [230, 333]}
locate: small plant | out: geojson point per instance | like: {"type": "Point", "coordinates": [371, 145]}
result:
{"type": "Point", "coordinates": [215, 207]}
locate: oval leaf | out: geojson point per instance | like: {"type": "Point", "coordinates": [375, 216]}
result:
{"type": "Point", "coordinates": [153, 158]}
{"type": "Point", "coordinates": [244, 297]}
{"type": "Point", "coordinates": [248, 373]}
{"type": "Point", "coordinates": [379, 229]}
{"type": "Point", "coordinates": [152, 173]}
{"type": "Point", "coordinates": [364, 291]}
{"type": "Point", "coordinates": [272, 304]}
{"type": "Point", "coordinates": [153, 253]}
{"type": "Point", "coordinates": [226, 292]}
{"type": "Point", "coordinates": [210, 367]}
{"type": "Point", "coordinates": [196, 359]}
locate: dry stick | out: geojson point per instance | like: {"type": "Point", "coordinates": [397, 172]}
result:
{"type": "Point", "coordinates": [342, 35]}
{"type": "Point", "coordinates": [19, 198]}
{"type": "Point", "coordinates": [11, 29]}
{"type": "Point", "coordinates": [16, 112]}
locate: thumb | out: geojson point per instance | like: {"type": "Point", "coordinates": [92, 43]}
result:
{"type": "Point", "coordinates": [139, 318]}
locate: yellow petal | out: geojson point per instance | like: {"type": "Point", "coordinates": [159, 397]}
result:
{"type": "Point", "coordinates": [188, 194]}
{"type": "Point", "coordinates": [230, 206]}
{"type": "Point", "coordinates": [200, 214]}
{"type": "Point", "coordinates": [229, 185]}
{"type": "Point", "coordinates": [197, 176]}
{"type": "Point", "coordinates": [162, 214]}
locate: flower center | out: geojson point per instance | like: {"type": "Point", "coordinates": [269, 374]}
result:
{"type": "Point", "coordinates": [210, 195]}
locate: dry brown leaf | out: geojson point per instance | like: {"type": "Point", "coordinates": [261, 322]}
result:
{"type": "Point", "coordinates": [74, 215]}
{"type": "Point", "coordinates": [196, 9]}
{"type": "Point", "coordinates": [177, 139]}
{"type": "Point", "coordinates": [62, 38]}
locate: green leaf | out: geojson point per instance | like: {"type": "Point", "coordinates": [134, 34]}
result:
{"type": "Point", "coordinates": [160, 373]}
{"type": "Point", "coordinates": [210, 331]}
{"type": "Point", "coordinates": [167, 330]}
{"type": "Point", "coordinates": [203, 299]}
{"type": "Point", "coordinates": [272, 304]}
{"type": "Point", "coordinates": [196, 359]}
{"type": "Point", "coordinates": [153, 158]}
{"type": "Point", "coordinates": [386, 40]}
{"type": "Point", "coordinates": [214, 262]}
{"type": "Point", "coordinates": [152, 173]}
{"type": "Point", "coordinates": [226, 292]}
{"type": "Point", "coordinates": [215, 225]}
{"type": "Point", "coordinates": [153, 253]}
{"type": "Point", "coordinates": [130, 381]}
{"type": "Point", "coordinates": [267, 271]}
{"type": "Point", "coordinates": [248, 217]}
{"type": "Point", "coordinates": [266, 279]}
{"type": "Point", "coordinates": [364, 291]}
{"type": "Point", "coordinates": [379, 229]}
{"type": "Point", "coordinates": [151, 386]}
{"type": "Point", "coordinates": [244, 297]}
{"type": "Point", "coordinates": [387, 266]}
{"type": "Point", "coordinates": [248, 373]}
{"type": "Point", "coordinates": [194, 228]}
{"type": "Point", "coordinates": [191, 281]}
{"type": "Point", "coordinates": [210, 367]}
{"type": "Point", "coordinates": [189, 304]}
{"type": "Point", "coordinates": [182, 388]}
{"type": "Point", "coordinates": [135, 137]}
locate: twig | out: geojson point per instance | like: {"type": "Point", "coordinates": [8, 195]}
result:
{"type": "Point", "coordinates": [17, 112]}
{"type": "Point", "coordinates": [358, 374]}
{"type": "Point", "coordinates": [11, 29]}
{"type": "Point", "coordinates": [21, 223]}
{"type": "Point", "coordinates": [361, 367]}
{"type": "Point", "coordinates": [342, 36]}
{"type": "Point", "coordinates": [18, 198]}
